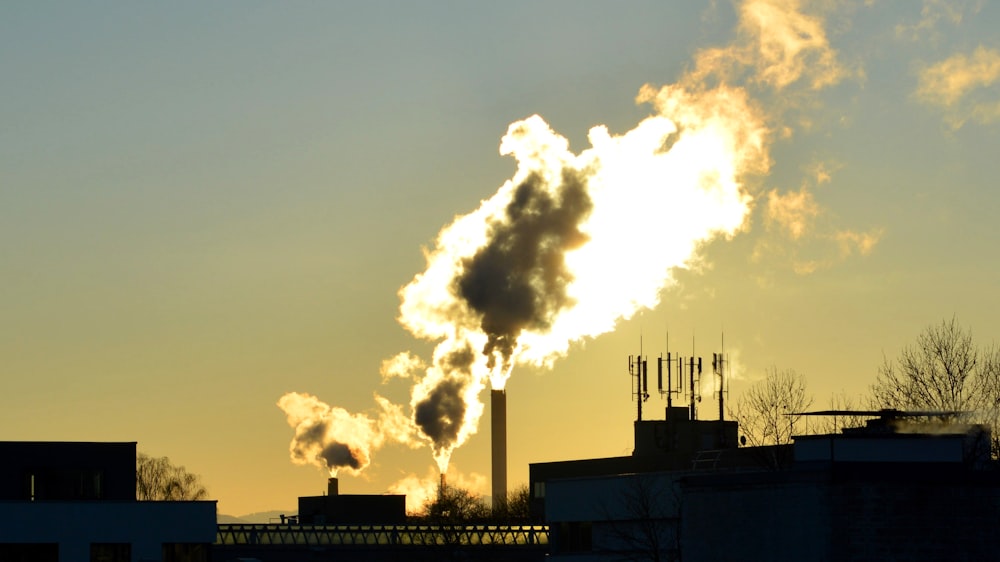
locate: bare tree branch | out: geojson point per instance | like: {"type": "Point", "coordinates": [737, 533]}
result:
{"type": "Point", "coordinates": [766, 411]}
{"type": "Point", "coordinates": [835, 423]}
{"type": "Point", "coordinates": [158, 480]}
{"type": "Point", "coordinates": [645, 525]}
{"type": "Point", "coordinates": [944, 370]}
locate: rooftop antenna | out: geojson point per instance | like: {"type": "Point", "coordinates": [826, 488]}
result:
{"type": "Point", "coordinates": [694, 362]}
{"type": "Point", "coordinates": [669, 391]}
{"type": "Point", "coordinates": [719, 363]}
{"type": "Point", "coordinates": [638, 369]}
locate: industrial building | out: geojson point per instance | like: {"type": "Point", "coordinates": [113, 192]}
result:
{"type": "Point", "coordinates": [73, 501]}
{"type": "Point", "coordinates": [674, 443]}
{"type": "Point", "coordinates": [886, 491]}
{"type": "Point", "coordinates": [335, 508]}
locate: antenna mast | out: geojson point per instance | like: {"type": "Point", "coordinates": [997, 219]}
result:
{"type": "Point", "coordinates": [669, 391]}
{"type": "Point", "coordinates": [719, 362]}
{"type": "Point", "coordinates": [694, 362]}
{"type": "Point", "coordinates": [638, 370]}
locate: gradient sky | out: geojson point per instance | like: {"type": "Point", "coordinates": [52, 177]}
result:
{"type": "Point", "coordinates": [204, 206]}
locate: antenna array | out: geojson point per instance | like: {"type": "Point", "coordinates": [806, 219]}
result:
{"type": "Point", "coordinates": [675, 363]}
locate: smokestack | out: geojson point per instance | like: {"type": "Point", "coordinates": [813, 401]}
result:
{"type": "Point", "coordinates": [332, 487]}
{"type": "Point", "coordinates": [498, 421]}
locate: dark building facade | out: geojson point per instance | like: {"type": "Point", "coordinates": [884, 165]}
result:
{"type": "Point", "coordinates": [75, 501]}
{"type": "Point", "coordinates": [673, 443]}
{"type": "Point", "coordinates": [352, 509]}
{"type": "Point", "coordinates": [871, 511]}
{"type": "Point", "coordinates": [69, 471]}
{"type": "Point", "coordinates": [888, 491]}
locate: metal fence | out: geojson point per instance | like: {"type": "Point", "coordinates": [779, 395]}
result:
{"type": "Point", "coordinates": [238, 534]}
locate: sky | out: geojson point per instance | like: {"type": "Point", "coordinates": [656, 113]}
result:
{"type": "Point", "coordinates": [206, 207]}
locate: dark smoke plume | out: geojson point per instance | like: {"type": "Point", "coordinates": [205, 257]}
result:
{"type": "Point", "coordinates": [518, 280]}
{"type": "Point", "coordinates": [333, 438]}
{"type": "Point", "coordinates": [441, 413]}
{"type": "Point", "coordinates": [313, 442]}
{"type": "Point", "coordinates": [526, 274]}
{"type": "Point", "coordinates": [338, 455]}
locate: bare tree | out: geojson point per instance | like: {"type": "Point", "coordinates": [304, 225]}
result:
{"type": "Point", "coordinates": [944, 370]}
{"type": "Point", "coordinates": [156, 479]}
{"type": "Point", "coordinates": [516, 508]}
{"type": "Point", "coordinates": [767, 410]}
{"type": "Point", "coordinates": [455, 505]}
{"type": "Point", "coordinates": [938, 372]}
{"type": "Point", "coordinates": [988, 389]}
{"type": "Point", "coordinates": [841, 402]}
{"type": "Point", "coordinates": [644, 525]}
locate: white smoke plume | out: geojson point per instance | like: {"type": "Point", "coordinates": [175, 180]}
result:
{"type": "Point", "coordinates": [529, 272]}
{"type": "Point", "coordinates": [334, 439]}
{"type": "Point", "coordinates": [403, 365]}
{"type": "Point", "coordinates": [573, 244]}
{"type": "Point", "coordinates": [420, 491]}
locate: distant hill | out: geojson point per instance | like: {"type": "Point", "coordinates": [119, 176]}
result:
{"type": "Point", "coordinates": [259, 517]}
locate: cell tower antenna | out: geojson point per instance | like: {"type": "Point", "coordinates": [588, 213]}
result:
{"type": "Point", "coordinates": [638, 370]}
{"type": "Point", "coordinates": [669, 360]}
{"type": "Point", "coordinates": [694, 363]}
{"type": "Point", "coordinates": [719, 362]}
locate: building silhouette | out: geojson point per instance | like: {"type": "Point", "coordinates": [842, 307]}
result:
{"type": "Point", "coordinates": [76, 501]}
{"type": "Point", "coordinates": [335, 508]}
{"type": "Point", "coordinates": [892, 490]}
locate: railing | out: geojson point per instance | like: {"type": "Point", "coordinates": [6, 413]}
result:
{"type": "Point", "coordinates": [237, 534]}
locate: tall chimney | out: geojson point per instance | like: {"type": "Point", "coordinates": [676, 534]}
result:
{"type": "Point", "coordinates": [332, 487]}
{"type": "Point", "coordinates": [498, 421]}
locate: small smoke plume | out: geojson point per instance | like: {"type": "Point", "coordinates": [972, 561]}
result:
{"type": "Point", "coordinates": [404, 365]}
{"type": "Point", "coordinates": [445, 404]}
{"type": "Point", "coordinates": [334, 439]}
{"type": "Point", "coordinates": [958, 425]}
{"type": "Point", "coordinates": [440, 413]}
{"type": "Point", "coordinates": [574, 243]}
{"type": "Point", "coordinates": [337, 455]}
{"type": "Point", "coordinates": [420, 491]}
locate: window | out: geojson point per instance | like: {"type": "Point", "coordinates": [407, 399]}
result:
{"type": "Point", "coordinates": [185, 552]}
{"type": "Point", "coordinates": [63, 484]}
{"type": "Point", "coordinates": [28, 552]}
{"type": "Point", "coordinates": [110, 552]}
{"type": "Point", "coordinates": [575, 536]}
